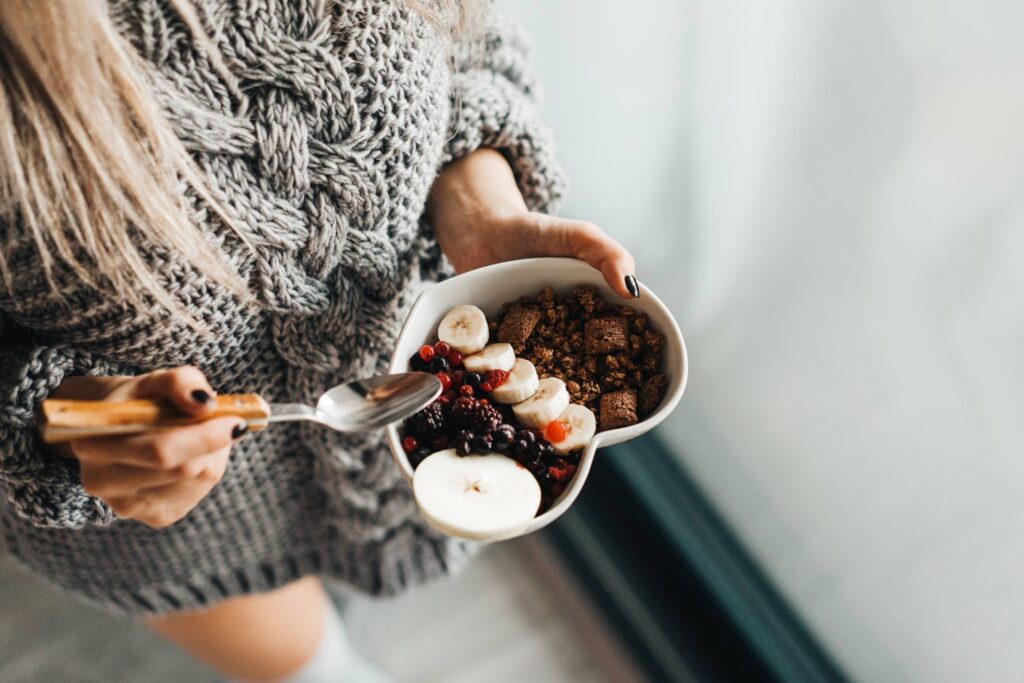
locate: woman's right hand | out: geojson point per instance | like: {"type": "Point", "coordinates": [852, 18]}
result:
{"type": "Point", "coordinates": [155, 478]}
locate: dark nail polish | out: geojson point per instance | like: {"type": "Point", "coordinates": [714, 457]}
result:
{"type": "Point", "coordinates": [238, 431]}
{"type": "Point", "coordinates": [200, 396]}
{"type": "Point", "coordinates": [632, 286]}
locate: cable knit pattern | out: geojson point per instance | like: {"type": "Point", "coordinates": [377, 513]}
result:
{"type": "Point", "coordinates": [323, 147]}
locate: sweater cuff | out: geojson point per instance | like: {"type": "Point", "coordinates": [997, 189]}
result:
{"type": "Point", "coordinates": [495, 104]}
{"type": "Point", "coordinates": [40, 487]}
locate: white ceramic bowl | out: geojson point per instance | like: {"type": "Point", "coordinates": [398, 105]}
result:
{"type": "Point", "coordinates": [490, 287]}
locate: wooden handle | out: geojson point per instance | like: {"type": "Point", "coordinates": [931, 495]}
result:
{"type": "Point", "coordinates": [61, 420]}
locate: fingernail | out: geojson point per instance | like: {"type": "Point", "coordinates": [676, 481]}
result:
{"type": "Point", "coordinates": [201, 397]}
{"type": "Point", "coordinates": [239, 430]}
{"type": "Point", "coordinates": [632, 286]}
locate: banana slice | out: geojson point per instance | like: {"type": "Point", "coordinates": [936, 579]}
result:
{"type": "Point", "coordinates": [464, 329]}
{"type": "Point", "coordinates": [580, 427]}
{"type": "Point", "coordinates": [521, 384]}
{"type": "Point", "coordinates": [493, 357]}
{"type": "Point", "coordinates": [480, 497]}
{"type": "Point", "coordinates": [547, 403]}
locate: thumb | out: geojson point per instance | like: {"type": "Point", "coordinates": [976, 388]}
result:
{"type": "Point", "coordinates": [589, 243]}
{"type": "Point", "coordinates": [185, 387]}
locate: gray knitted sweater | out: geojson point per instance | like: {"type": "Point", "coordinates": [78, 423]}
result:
{"type": "Point", "coordinates": [345, 115]}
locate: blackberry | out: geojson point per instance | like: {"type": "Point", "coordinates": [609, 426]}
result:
{"type": "Point", "coordinates": [426, 423]}
{"type": "Point", "coordinates": [480, 417]}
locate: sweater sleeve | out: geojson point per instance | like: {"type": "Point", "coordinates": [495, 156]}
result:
{"type": "Point", "coordinates": [40, 487]}
{"type": "Point", "coordinates": [494, 103]}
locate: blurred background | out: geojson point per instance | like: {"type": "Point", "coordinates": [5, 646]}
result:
{"type": "Point", "coordinates": [829, 195]}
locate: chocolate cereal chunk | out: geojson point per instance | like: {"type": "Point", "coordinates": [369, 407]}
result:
{"type": "Point", "coordinates": [518, 325]}
{"type": "Point", "coordinates": [606, 335]}
{"type": "Point", "coordinates": [618, 409]}
{"type": "Point", "coordinates": [651, 393]}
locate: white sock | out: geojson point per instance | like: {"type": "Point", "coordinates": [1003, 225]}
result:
{"type": "Point", "coordinates": [334, 660]}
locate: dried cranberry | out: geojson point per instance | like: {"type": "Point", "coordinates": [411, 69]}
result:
{"type": "Point", "coordinates": [497, 377]}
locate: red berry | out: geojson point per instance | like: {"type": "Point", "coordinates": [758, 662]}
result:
{"type": "Point", "coordinates": [426, 353]}
{"type": "Point", "coordinates": [496, 377]}
{"type": "Point", "coordinates": [409, 444]}
{"type": "Point", "coordinates": [457, 376]}
{"type": "Point", "coordinates": [464, 402]}
{"type": "Point", "coordinates": [455, 358]}
{"type": "Point", "coordinates": [562, 472]}
{"type": "Point", "coordinates": [486, 386]}
{"type": "Point", "coordinates": [484, 401]}
{"type": "Point", "coordinates": [444, 400]}
{"type": "Point", "coordinates": [466, 390]}
{"type": "Point", "coordinates": [555, 431]}
{"type": "Point", "coordinates": [446, 380]}
{"type": "Point", "coordinates": [442, 349]}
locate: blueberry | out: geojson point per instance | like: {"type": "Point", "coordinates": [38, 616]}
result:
{"type": "Point", "coordinates": [439, 365]}
{"type": "Point", "coordinates": [536, 449]}
{"type": "Point", "coordinates": [527, 435]}
{"type": "Point", "coordinates": [483, 443]}
{"type": "Point", "coordinates": [473, 379]}
{"type": "Point", "coordinates": [505, 434]}
{"type": "Point", "coordinates": [522, 445]}
{"type": "Point", "coordinates": [416, 363]}
{"type": "Point", "coordinates": [463, 448]}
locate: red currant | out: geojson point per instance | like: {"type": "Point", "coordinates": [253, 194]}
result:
{"type": "Point", "coordinates": [455, 358]}
{"type": "Point", "coordinates": [555, 431]}
{"type": "Point", "coordinates": [466, 390]}
{"type": "Point", "coordinates": [445, 379]}
{"type": "Point", "coordinates": [409, 444]}
{"type": "Point", "coordinates": [487, 386]}
{"type": "Point", "coordinates": [442, 349]}
{"type": "Point", "coordinates": [457, 375]}
{"type": "Point", "coordinates": [426, 353]}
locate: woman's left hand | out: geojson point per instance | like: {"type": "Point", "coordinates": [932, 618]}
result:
{"type": "Point", "coordinates": [479, 218]}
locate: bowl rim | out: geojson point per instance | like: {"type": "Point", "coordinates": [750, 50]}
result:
{"type": "Point", "coordinates": [610, 437]}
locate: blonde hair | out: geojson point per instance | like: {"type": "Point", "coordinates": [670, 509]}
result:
{"type": "Point", "coordinates": [86, 153]}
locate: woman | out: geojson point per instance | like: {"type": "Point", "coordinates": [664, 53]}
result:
{"type": "Point", "coordinates": [221, 196]}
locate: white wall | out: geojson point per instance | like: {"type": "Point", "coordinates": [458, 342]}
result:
{"type": "Point", "coordinates": [830, 196]}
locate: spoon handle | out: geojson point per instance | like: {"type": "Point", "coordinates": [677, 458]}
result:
{"type": "Point", "coordinates": [62, 420]}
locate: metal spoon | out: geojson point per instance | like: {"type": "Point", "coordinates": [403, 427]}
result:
{"type": "Point", "coordinates": [358, 406]}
